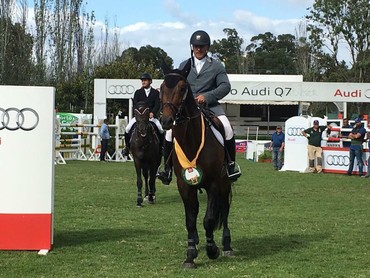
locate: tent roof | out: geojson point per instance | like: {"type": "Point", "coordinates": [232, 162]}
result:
{"type": "Point", "coordinates": [257, 102]}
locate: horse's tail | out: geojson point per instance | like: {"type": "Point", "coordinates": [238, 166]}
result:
{"type": "Point", "coordinates": [223, 208]}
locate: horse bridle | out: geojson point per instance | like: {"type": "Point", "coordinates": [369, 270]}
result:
{"type": "Point", "coordinates": [177, 110]}
{"type": "Point", "coordinates": [146, 129]}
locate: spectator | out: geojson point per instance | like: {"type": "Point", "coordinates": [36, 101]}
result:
{"type": "Point", "coordinates": [105, 136]}
{"type": "Point", "coordinates": [277, 148]}
{"type": "Point", "coordinates": [314, 135]}
{"type": "Point", "coordinates": [357, 136]}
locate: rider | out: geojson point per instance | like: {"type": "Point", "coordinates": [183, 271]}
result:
{"type": "Point", "coordinates": [209, 83]}
{"type": "Point", "coordinates": [150, 96]}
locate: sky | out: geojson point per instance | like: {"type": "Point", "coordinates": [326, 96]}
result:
{"type": "Point", "coordinates": [168, 24]}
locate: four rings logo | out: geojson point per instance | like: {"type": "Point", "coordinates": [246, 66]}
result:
{"type": "Point", "coordinates": [13, 119]}
{"type": "Point", "coordinates": [337, 160]}
{"type": "Point", "coordinates": [121, 89]}
{"type": "Point", "coordinates": [295, 131]}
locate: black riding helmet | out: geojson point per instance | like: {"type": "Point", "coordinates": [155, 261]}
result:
{"type": "Point", "coordinates": [200, 37]}
{"type": "Point", "coordinates": [146, 76]}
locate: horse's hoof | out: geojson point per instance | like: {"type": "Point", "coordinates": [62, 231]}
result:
{"type": "Point", "coordinates": [139, 205]}
{"type": "Point", "coordinates": [189, 265]}
{"type": "Point", "coordinates": [213, 255]}
{"type": "Point", "coordinates": [228, 253]}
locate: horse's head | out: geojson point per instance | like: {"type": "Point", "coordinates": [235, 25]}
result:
{"type": "Point", "coordinates": [141, 113]}
{"type": "Point", "coordinates": [174, 90]}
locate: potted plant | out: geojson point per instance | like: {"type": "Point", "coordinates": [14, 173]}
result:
{"type": "Point", "coordinates": [266, 156]}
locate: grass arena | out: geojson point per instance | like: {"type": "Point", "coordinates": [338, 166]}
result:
{"type": "Point", "coordinates": [283, 224]}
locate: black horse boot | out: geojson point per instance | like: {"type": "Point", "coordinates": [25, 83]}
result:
{"type": "Point", "coordinates": [232, 170]}
{"type": "Point", "coordinates": [126, 150]}
{"type": "Point", "coordinates": [166, 175]}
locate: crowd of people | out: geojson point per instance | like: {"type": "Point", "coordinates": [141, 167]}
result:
{"type": "Point", "coordinates": [354, 137]}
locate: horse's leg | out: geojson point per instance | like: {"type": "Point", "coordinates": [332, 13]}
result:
{"type": "Point", "coordinates": [152, 177]}
{"type": "Point", "coordinates": [145, 174]}
{"type": "Point", "coordinates": [191, 204]}
{"type": "Point", "coordinates": [211, 221]}
{"type": "Point", "coordinates": [139, 185]}
{"type": "Point", "coordinates": [226, 236]}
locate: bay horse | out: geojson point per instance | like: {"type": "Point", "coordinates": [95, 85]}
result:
{"type": "Point", "coordinates": [199, 163]}
{"type": "Point", "coordinates": [146, 152]}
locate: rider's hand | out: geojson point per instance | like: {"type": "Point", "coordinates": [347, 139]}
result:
{"type": "Point", "coordinates": [200, 99]}
{"type": "Point", "coordinates": [151, 115]}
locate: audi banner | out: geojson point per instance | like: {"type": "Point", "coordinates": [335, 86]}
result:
{"type": "Point", "coordinates": [26, 167]}
{"type": "Point", "coordinates": [336, 160]}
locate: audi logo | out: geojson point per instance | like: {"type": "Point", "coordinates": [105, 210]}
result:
{"type": "Point", "coordinates": [337, 160]}
{"type": "Point", "coordinates": [295, 131]}
{"type": "Point", "coordinates": [13, 119]}
{"type": "Point", "coordinates": [121, 89]}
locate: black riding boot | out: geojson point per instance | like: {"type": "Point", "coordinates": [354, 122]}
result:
{"type": "Point", "coordinates": [166, 175]}
{"type": "Point", "coordinates": [233, 171]}
{"type": "Point", "coordinates": [126, 150]}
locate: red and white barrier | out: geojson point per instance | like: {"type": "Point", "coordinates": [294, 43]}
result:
{"type": "Point", "coordinates": [26, 168]}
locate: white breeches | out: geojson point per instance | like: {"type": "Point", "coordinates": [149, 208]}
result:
{"type": "Point", "coordinates": [154, 120]}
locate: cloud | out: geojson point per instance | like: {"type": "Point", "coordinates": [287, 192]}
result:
{"type": "Point", "coordinates": [174, 9]}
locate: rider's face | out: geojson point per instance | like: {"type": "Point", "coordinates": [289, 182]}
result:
{"type": "Point", "coordinates": [200, 51]}
{"type": "Point", "coordinates": [145, 83]}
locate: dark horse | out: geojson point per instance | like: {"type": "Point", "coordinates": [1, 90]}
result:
{"type": "Point", "coordinates": [145, 149]}
{"type": "Point", "coordinates": [196, 143]}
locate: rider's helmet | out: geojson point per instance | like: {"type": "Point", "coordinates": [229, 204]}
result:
{"type": "Point", "coordinates": [200, 37]}
{"type": "Point", "coordinates": [146, 76]}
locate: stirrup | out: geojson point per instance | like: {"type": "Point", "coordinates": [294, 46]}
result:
{"type": "Point", "coordinates": [126, 154]}
{"type": "Point", "coordinates": [164, 176]}
{"type": "Point", "coordinates": [236, 173]}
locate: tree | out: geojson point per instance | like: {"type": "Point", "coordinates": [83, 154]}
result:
{"type": "Point", "coordinates": [334, 21]}
{"type": "Point", "coordinates": [146, 59]}
{"type": "Point", "coordinates": [17, 63]}
{"type": "Point", "coordinates": [229, 51]}
{"type": "Point", "coordinates": [42, 18]}
{"type": "Point", "coordinates": [272, 55]}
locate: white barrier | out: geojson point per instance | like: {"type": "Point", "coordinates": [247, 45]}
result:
{"type": "Point", "coordinates": [27, 168]}
{"type": "Point", "coordinates": [93, 153]}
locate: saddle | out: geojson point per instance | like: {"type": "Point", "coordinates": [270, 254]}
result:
{"type": "Point", "coordinates": [215, 124]}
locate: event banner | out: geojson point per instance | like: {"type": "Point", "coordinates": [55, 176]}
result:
{"type": "Point", "coordinates": [26, 167]}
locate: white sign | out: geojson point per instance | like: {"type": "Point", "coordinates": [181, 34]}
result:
{"type": "Point", "coordinates": [26, 167]}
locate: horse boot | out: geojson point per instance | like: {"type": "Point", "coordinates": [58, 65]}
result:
{"type": "Point", "coordinates": [232, 170]}
{"type": "Point", "coordinates": [166, 175]}
{"type": "Point", "coordinates": [126, 150]}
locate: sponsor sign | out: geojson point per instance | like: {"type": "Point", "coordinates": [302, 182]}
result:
{"type": "Point", "coordinates": [26, 167]}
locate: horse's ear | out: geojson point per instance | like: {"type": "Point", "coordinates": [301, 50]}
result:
{"type": "Point", "coordinates": [185, 71]}
{"type": "Point", "coordinates": [165, 68]}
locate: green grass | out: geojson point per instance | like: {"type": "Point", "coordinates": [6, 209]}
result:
{"type": "Point", "coordinates": [283, 224]}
